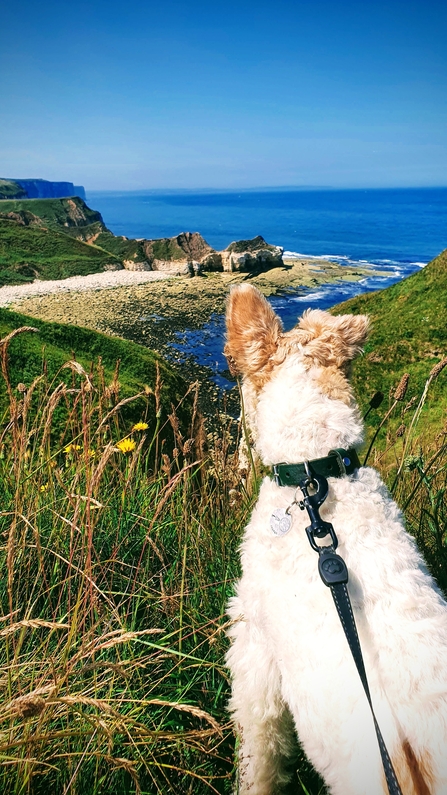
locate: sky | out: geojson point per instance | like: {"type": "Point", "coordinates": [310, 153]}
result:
{"type": "Point", "coordinates": [136, 94]}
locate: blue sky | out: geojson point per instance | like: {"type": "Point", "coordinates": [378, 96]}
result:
{"type": "Point", "coordinates": [133, 95]}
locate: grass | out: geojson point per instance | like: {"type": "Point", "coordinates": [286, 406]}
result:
{"type": "Point", "coordinates": [117, 559]}
{"type": "Point", "coordinates": [409, 334]}
{"type": "Point", "coordinates": [55, 213]}
{"type": "Point", "coordinates": [127, 367]}
{"type": "Point", "coordinates": [10, 189]}
{"type": "Point", "coordinates": [27, 252]}
{"type": "Point", "coordinates": [116, 567]}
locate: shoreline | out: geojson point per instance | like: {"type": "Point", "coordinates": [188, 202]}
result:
{"type": "Point", "coordinates": [295, 273]}
{"type": "Point", "coordinates": [155, 308]}
{"type": "Point", "coordinates": [105, 280]}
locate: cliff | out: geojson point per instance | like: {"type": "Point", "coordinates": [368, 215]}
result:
{"type": "Point", "coordinates": [38, 189]}
{"type": "Point", "coordinates": [186, 254]}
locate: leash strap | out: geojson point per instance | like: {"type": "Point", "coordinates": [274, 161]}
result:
{"type": "Point", "coordinates": [334, 573]}
{"type": "Point", "coordinates": [344, 609]}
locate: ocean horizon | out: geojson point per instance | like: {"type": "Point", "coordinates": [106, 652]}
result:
{"type": "Point", "coordinates": [379, 225]}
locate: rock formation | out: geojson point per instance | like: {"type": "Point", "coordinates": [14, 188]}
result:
{"type": "Point", "coordinates": [186, 254]}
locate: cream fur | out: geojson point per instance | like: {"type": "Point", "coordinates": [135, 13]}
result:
{"type": "Point", "coordinates": [289, 660]}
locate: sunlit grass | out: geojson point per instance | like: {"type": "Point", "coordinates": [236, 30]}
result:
{"type": "Point", "coordinates": [118, 554]}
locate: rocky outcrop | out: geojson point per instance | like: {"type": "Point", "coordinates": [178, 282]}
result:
{"type": "Point", "coordinates": [189, 254]}
{"type": "Point", "coordinates": [181, 255]}
{"type": "Point", "coordinates": [251, 256]}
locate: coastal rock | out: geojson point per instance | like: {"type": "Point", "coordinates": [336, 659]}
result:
{"type": "Point", "coordinates": [131, 265]}
{"type": "Point", "coordinates": [251, 256]}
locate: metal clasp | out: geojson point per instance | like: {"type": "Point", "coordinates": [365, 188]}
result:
{"type": "Point", "coordinates": [318, 528]}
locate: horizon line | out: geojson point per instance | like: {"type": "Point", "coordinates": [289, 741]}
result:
{"type": "Point", "coordinates": [263, 188]}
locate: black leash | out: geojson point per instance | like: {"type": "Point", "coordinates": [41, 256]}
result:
{"type": "Point", "coordinates": [334, 573]}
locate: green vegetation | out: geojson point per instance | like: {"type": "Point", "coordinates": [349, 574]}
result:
{"type": "Point", "coordinates": [30, 251]}
{"type": "Point", "coordinates": [409, 334]}
{"type": "Point", "coordinates": [121, 522]}
{"type": "Point", "coordinates": [54, 344]}
{"type": "Point", "coordinates": [10, 189]}
{"type": "Point", "coordinates": [120, 551]}
{"type": "Point", "coordinates": [248, 245]}
{"type": "Point", "coordinates": [121, 247]}
{"type": "Point", "coordinates": [58, 214]}
{"type": "Point", "coordinates": [114, 574]}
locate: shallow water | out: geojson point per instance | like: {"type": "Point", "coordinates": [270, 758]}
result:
{"type": "Point", "coordinates": [206, 344]}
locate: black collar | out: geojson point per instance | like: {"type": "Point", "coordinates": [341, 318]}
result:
{"type": "Point", "coordinates": [338, 463]}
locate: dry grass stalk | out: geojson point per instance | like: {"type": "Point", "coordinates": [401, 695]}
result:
{"type": "Point", "coordinates": [438, 368]}
{"type": "Point", "coordinates": [402, 387]}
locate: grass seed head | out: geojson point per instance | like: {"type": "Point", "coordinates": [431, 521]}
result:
{"type": "Point", "coordinates": [402, 387]}
{"type": "Point", "coordinates": [438, 368]}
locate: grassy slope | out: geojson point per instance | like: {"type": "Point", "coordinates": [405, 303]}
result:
{"type": "Point", "coordinates": [56, 344]}
{"type": "Point", "coordinates": [52, 211]}
{"type": "Point", "coordinates": [27, 251]}
{"type": "Point", "coordinates": [409, 334]}
{"type": "Point", "coordinates": [10, 189]}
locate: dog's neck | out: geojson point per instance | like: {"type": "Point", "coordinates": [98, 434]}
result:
{"type": "Point", "coordinates": [293, 420]}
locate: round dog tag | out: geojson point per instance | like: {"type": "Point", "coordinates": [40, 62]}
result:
{"type": "Point", "coordinates": [280, 522]}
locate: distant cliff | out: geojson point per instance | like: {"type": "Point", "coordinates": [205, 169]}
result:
{"type": "Point", "coordinates": [38, 189]}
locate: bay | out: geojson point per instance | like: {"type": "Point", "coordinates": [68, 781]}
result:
{"type": "Point", "coordinates": [396, 230]}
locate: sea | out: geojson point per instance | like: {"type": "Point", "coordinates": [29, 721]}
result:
{"type": "Point", "coordinates": [397, 231]}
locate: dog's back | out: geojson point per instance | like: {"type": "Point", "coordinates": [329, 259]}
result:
{"type": "Point", "coordinates": [290, 663]}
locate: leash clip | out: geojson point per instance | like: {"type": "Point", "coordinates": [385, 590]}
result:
{"type": "Point", "coordinates": [318, 528]}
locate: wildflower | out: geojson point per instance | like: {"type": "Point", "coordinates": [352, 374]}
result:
{"type": "Point", "coordinates": [140, 426]}
{"type": "Point", "coordinates": [126, 445]}
{"type": "Point", "coordinates": [43, 487]}
{"type": "Point", "coordinates": [72, 448]}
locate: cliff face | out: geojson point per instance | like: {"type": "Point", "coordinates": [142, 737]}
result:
{"type": "Point", "coordinates": [39, 189]}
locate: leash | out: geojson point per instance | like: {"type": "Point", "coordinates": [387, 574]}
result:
{"type": "Point", "coordinates": [334, 573]}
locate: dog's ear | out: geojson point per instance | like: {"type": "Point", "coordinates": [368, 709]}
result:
{"type": "Point", "coordinates": [332, 339]}
{"type": "Point", "coordinates": [253, 331]}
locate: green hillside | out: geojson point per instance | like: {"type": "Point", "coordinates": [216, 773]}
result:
{"type": "Point", "coordinates": [55, 213]}
{"type": "Point", "coordinates": [27, 252]}
{"type": "Point", "coordinates": [55, 344]}
{"type": "Point", "coordinates": [409, 334]}
{"type": "Point", "coordinates": [10, 189]}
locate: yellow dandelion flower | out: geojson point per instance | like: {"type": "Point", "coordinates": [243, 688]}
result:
{"type": "Point", "coordinates": [140, 426]}
{"type": "Point", "coordinates": [72, 448]}
{"type": "Point", "coordinates": [126, 445]}
{"type": "Point", "coordinates": [44, 487]}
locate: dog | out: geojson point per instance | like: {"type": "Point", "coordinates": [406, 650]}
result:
{"type": "Point", "coordinates": [292, 670]}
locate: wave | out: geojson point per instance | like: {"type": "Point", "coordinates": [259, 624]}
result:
{"type": "Point", "coordinates": [344, 259]}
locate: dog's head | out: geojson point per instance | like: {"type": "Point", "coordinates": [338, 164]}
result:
{"type": "Point", "coordinates": [294, 383]}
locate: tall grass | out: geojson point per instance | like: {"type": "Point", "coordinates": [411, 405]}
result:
{"type": "Point", "coordinates": [117, 559]}
{"type": "Point", "coordinates": [118, 554]}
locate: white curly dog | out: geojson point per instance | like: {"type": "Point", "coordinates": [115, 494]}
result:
{"type": "Point", "coordinates": [291, 666]}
